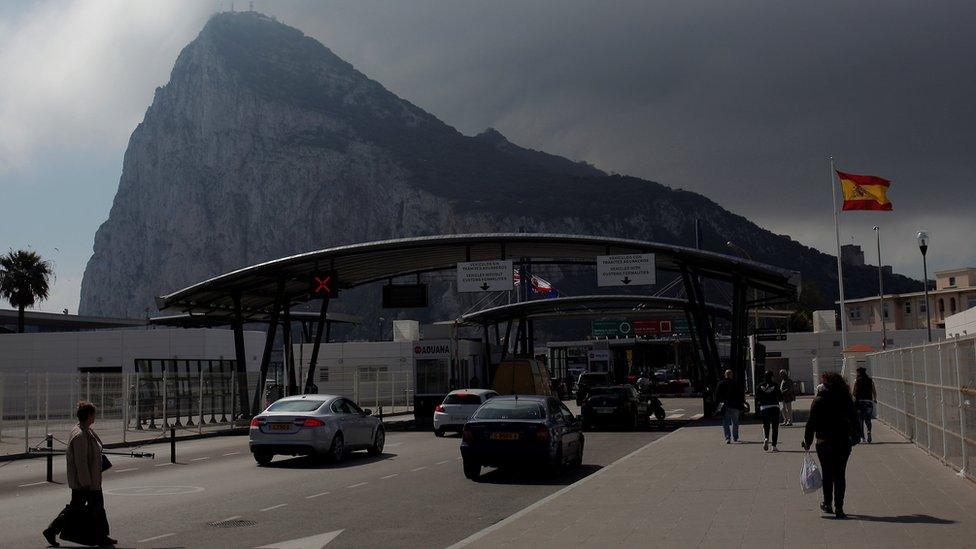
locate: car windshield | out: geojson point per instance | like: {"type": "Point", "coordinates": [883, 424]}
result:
{"type": "Point", "coordinates": [462, 398]}
{"type": "Point", "coordinates": [510, 409]}
{"type": "Point", "coordinates": [295, 406]}
{"type": "Point", "coordinates": [615, 391]}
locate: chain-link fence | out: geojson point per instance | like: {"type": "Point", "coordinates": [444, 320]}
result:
{"type": "Point", "coordinates": [927, 394]}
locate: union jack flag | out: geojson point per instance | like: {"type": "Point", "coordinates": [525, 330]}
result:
{"type": "Point", "coordinates": [540, 286]}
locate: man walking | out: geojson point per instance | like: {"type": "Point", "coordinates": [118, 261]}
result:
{"type": "Point", "coordinates": [731, 401]}
{"type": "Point", "coordinates": [865, 398]}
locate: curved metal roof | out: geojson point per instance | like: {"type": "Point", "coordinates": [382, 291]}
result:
{"type": "Point", "coordinates": [224, 318]}
{"type": "Point", "coordinates": [584, 307]}
{"type": "Point", "coordinates": [358, 264]}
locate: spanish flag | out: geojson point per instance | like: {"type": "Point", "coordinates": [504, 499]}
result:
{"type": "Point", "coordinates": [864, 192]}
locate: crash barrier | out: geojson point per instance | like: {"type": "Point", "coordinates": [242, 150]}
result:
{"type": "Point", "coordinates": [132, 407]}
{"type": "Point", "coordinates": [926, 393]}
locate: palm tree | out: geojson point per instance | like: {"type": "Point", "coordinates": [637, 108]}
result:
{"type": "Point", "coordinates": [25, 278]}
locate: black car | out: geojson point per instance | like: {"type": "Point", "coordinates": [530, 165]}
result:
{"type": "Point", "coordinates": [588, 380]}
{"type": "Point", "coordinates": [617, 405]}
{"type": "Point", "coordinates": [521, 431]}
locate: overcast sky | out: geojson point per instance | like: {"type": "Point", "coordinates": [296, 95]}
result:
{"type": "Point", "coordinates": [741, 101]}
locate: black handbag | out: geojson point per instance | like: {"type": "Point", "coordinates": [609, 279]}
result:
{"type": "Point", "coordinates": [106, 464]}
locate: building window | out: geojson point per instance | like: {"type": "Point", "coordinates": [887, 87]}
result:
{"type": "Point", "coordinates": [921, 306]}
{"type": "Point", "coordinates": [372, 374]}
{"type": "Point", "coordinates": [952, 304]}
{"type": "Point", "coordinates": [855, 313]}
{"type": "Point", "coordinates": [908, 307]}
{"type": "Point", "coordinates": [884, 310]}
{"type": "Point", "coordinates": [941, 305]}
{"type": "Point", "coordinates": [952, 281]}
{"type": "Point", "coordinates": [323, 374]}
{"type": "Point", "coordinates": [972, 301]}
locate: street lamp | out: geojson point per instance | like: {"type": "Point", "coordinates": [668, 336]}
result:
{"type": "Point", "coordinates": [923, 246]}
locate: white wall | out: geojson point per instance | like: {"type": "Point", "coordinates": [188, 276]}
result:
{"type": "Point", "coordinates": [961, 324]}
{"type": "Point", "coordinates": [68, 351]}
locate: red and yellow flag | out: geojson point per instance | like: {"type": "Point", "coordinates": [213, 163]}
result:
{"type": "Point", "coordinates": [864, 192]}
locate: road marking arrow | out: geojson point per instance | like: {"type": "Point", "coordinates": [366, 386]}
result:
{"type": "Point", "coordinates": [312, 542]}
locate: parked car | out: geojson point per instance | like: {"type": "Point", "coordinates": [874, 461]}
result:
{"type": "Point", "coordinates": [590, 379]}
{"type": "Point", "coordinates": [457, 407]}
{"type": "Point", "coordinates": [521, 431]}
{"type": "Point", "coordinates": [319, 425]}
{"type": "Point", "coordinates": [617, 405]}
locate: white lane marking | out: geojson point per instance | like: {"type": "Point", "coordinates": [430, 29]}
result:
{"type": "Point", "coordinates": [357, 485]}
{"type": "Point", "coordinates": [312, 542]}
{"type": "Point", "coordinates": [127, 470]}
{"type": "Point", "coordinates": [320, 494]}
{"type": "Point", "coordinates": [154, 538]}
{"type": "Point", "coordinates": [458, 459]}
{"type": "Point", "coordinates": [279, 506]}
{"type": "Point", "coordinates": [443, 462]}
{"type": "Point", "coordinates": [674, 416]}
{"type": "Point", "coordinates": [417, 469]}
{"type": "Point", "coordinates": [32, 484]}
{"type": "Point", "coordinates": [390, 476]}
{"type": "Point", "coordinates": [235, 517]}
{"type": "Point", "coordinates": [678, 410]}
{"type": "Point", "coordinates": [512, 518]}
{"type": "Point", "coordinates": [163, 465]}
{"type": "Point", "coordinates": [393, 444]}
{"type": "Point", "coordinates": [697, 416]}
{"type": "Point", "coordinates": [200, 459]}
{"type": "Point", "coordinates": [231, 453]}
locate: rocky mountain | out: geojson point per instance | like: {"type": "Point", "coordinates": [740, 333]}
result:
{"type": "Point", "coordinates": [264, 143]}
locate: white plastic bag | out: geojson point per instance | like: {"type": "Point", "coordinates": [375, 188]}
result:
{"type": "Point", "coordinates": [810, 479]}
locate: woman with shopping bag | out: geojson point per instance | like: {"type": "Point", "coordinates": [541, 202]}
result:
{"type": "Point", "coordinates": [833, 422]}
{"type": "Point", "coordinates": [83, 520]}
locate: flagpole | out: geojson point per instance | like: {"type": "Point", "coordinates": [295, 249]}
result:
{"type": "Point", "coordinates": [884, 326]}
{"type": "Point", "coordinates": [840, 268]}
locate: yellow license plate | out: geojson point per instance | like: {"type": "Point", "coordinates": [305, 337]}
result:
{"type": "Point", "coordinates": [503, 436]}
{"type": "Point", "coordinates": [281, 426]}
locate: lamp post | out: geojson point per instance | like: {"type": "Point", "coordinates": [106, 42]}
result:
{"type": "Point", "coordinates": [923, 246]}
{"type": "Point", "coordinates": [884, 326]}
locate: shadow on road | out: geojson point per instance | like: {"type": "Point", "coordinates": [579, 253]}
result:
{"type": "Point", "coordinates": [529, 477]}
{"type": "Point", "coordinates": [356, 459]}
{"type": "Point", "coordinates": [903, 519]}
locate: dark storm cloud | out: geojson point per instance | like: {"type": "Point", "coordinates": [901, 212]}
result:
{"type": "Point", "coordinates": [741, 101]}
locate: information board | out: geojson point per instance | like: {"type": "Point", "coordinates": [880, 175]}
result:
{"type": "Point", "coordinates": [625, 270]}
{"type": "Point", "coordinates": [485, 276]}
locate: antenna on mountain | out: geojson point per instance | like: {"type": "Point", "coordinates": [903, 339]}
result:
{"type": "Point", "coordinates": [231, 6]}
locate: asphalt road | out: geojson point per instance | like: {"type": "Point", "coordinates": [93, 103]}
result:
{"type": "Point", "coordinates": [413, 495]}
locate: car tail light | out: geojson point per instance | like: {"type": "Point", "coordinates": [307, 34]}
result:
{"type": "Point", "coordinates": [542, 434]}
{"type": "Point", "coordinates": [257, 421]}
{"type": "Point", "coordinates": [439, 408]}
{"type": "Point", "coordinates": [312, 422]}
{"type": "Point", "coordinates": [467, 435]}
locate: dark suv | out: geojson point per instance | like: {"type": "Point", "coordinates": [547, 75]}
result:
{"type": "Point", "coordinates": [589, 380]}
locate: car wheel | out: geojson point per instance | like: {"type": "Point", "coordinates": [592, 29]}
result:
{"type": "Point", "coordinates": [659, 414]}
{"type": "Point", "coordinates": [338, 450]}
{"type": "Point", "coordinates": [263, 458]}
{"type": "Point", "coordinates": [378, 441]}
{"type": "Point", "coordinates": [558, 464]}
{"type": "Point", "coordinates": [438, 432]}
{"type": "Point", "coordinates": [472, 470]}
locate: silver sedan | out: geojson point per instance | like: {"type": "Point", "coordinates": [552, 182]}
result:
{"type": "Point", "coordinates": [325, 425]}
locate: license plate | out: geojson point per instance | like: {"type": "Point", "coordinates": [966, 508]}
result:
{"type": "Point", "coordinates": [605, 410]}
{"type": "Point", "coordinates": [503, 436]}
{"type": "Point", "coordinates": [281, 426]}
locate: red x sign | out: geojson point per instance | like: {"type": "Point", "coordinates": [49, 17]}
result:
{"type": "Point", "coordinates": [322, 285]}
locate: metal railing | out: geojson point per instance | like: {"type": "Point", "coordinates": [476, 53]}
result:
{"type": "Point", "coordinates": [927, 393]}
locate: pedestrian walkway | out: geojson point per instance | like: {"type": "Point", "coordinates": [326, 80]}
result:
{"type": "Point", "coordinates": [690, 489]}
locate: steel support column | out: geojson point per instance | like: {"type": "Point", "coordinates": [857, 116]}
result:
{"type": "Point", "coordinates": [486, 350]}
{"type": "Point", "coordinates": [289, 354]}
{"type": "Point", "coordinates": [268, 346]}
{"type": "Point", "coordinates": [706, 336]}
{"type": "Point", "coordinates": [739, 327]}
{"type": "Point", "coordinates": [319, 328]}
{"type": "Point", "coordinates": [241, 356]}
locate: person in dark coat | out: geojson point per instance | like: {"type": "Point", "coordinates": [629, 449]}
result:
{"type": "Point", "coordinates": [84, 460]}
{"type": "Point", "coordinates": [768, 397]}
{"type": "Point", "coordinates": [833, 423]}
{"type": "Point", "coordinates": [789, 396]}
{"type": "Point", "coordinates": [865, 399]}
{"type": "Point", "coordinates": [731, 401]}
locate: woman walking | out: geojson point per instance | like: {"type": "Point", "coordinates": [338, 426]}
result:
{"type": "Point", "coordinates": [768, 398]}
{"type": "Point", "coordinates": [865, 398]}
{"type": "Point", "coordinates": [833, 423]}
{"type": "Point", "coordinates": [85, 465]}
{"type": "Point", "coordinates": [789, 395]}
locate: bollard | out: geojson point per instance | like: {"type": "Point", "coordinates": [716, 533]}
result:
{"type": "Point", "coordinates": [172, 444]}
{"type": "Point", "coordinates": [50, 457]}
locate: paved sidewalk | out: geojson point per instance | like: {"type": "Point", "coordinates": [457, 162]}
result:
{"type": "Point", "coordinates": [690, 489]}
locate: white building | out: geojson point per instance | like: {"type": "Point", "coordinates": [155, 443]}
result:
{"type": "Point", "coordinates": [961, 324]}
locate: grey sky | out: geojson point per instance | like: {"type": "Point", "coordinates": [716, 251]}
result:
{"type": "Point", "coordinates": [741, 101]}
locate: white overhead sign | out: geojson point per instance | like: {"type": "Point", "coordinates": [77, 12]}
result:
{"type": "Point", "coordinates": [625, 270]}
{"type": "Point", "coordinates": [485, 276]}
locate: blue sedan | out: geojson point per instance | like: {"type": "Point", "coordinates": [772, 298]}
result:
{"type": "Point", "coordinates": [519, 431]}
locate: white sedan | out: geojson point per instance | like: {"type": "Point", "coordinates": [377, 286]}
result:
{"type": "Point", "coordinates": [453, 413]}
{"type": "Point", "coordinates": [325, 425]}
